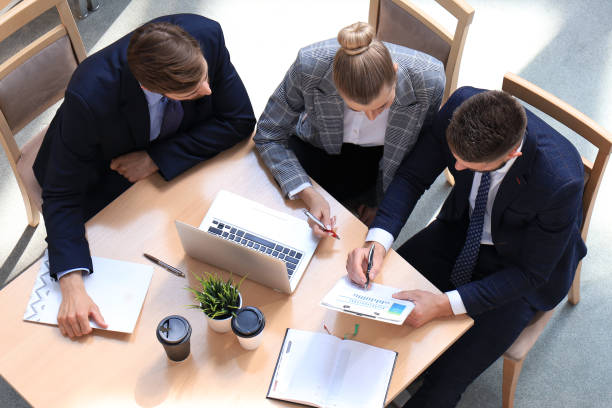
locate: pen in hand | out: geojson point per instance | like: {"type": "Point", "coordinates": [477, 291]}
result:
{"type": "Point", "coordinates": [164, 265]}
{"type": "Point", "coordinates": [370, 264]}
{"type": "Point", "coordinates": [320, 224]}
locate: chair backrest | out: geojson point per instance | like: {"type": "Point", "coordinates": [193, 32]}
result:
{"type": "Point", "coordinates": [31, 81]}
{"type": "Point", "coordinates": [602, 140]}
{"type": "Point", "coordinates": [36, 77]}
{"type": "Point", "coordinates": [402, 22]}
{"type": "Point", "coordinates": [579, 123]}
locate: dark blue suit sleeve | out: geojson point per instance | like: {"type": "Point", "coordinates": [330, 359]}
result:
{"type": "Point", "coordinates": [232, 120]}
{"type": "Point", "coordinates": [416, 174]}
{"type": "Point", "coordinates": [71, 161]}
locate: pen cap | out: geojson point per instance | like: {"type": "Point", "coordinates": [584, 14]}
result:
{"type": "Point", "coordinates": [248, 322]}
{"type": "Point", "coordinates": [173, 330]}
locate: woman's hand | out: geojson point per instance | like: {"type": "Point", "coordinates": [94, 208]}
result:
{"type": "Point", "coordinates": [319, 207]}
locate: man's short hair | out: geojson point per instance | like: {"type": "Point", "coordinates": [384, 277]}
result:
{"type": "Point", "coordinates": [486, 126]}
{"type": "Point", "coordinates": [164, 58]}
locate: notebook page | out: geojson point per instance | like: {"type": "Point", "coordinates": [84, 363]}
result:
{"type": "Point", "coordinates": [305, 367]}
{"type": "Point", "coordinates": [117, 287]}
{"type": "Point", "coordinates": [361, 376]}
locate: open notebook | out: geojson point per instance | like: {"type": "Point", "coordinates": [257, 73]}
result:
{"type": "Point", "coordinates": [321, 370]}
{"type": "Point", "coordinates": [117, 287]}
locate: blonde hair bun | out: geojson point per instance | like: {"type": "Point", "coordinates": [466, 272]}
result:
{"type": "Point", "coordinates": [356, 38]}
{"type": "Point", "coordinates": [362, 64]}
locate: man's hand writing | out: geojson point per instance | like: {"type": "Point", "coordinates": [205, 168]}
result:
{"type": "Point", "coordinates": [357, 262]}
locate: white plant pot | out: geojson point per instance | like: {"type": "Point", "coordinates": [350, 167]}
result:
{"type": "Point", "coordinates": [223, 325]}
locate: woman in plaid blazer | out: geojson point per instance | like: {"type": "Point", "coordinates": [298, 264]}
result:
{"type": "Point", "coordinates": [346, 114]}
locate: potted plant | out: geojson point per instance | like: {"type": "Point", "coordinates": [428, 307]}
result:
{"type": "Point", "coordinates": [218, 299]}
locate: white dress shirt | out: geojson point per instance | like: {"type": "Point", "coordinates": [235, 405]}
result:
{"type": "Point", "coordinates": [358, 130]}
{"type": "Point", "coordinates": [386, 239]}
{"type": "Point", "coordinates": [157, 106]}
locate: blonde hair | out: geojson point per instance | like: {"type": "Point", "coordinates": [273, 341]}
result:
{"type": "Point", "coordinates": [362, 65]}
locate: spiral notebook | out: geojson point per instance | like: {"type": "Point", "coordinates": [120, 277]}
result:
{"type": "Point", "coordinates": [321, 370]}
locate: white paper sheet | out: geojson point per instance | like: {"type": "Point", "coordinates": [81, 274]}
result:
{"type": "Point", "coordinates": [117, 287]}
{"type": "Point", "coordinates": [374, 303]}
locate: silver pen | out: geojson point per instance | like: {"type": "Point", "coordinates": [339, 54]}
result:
{"type": "Point", "coordinates": [320, 224]}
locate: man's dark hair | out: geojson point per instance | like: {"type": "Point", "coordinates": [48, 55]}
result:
{"type": "Point", "coordinates": [486, 127]}
{"type": "Point", "coordinates": [164, 58]}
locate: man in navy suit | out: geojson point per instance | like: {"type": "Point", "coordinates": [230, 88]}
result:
{"type": "Point", "coordinates": [506, 242]}
{"type": "Point", "coordinates": [161, 99]}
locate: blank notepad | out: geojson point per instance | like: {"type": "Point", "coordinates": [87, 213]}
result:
{"type": "Point", "coordinates": [117, 287]}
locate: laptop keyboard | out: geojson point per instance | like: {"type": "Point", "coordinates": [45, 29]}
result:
{"type": "Point", "coordinates": [291, 257]}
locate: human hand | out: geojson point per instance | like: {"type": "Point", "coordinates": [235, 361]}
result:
{"type": "Point", "coordinates": [357, 262]}
{"type": "Point", "coordinates": [319, 207]}
{"type": "Point", "coordinates": [366, 214]}
{"type": "Point", "coordinates": [76, 307]}
{"type": "Point", "coordinates": [427, 306]}
{"type": "Point", "coordinates": [134, 166]}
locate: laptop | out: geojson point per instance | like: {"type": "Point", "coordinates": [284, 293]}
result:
{"type": "Point", "coordinates": [252, 240]}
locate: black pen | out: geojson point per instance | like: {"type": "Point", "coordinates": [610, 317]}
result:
{"type": "Point", "coordinates": [370, 264]}
{"type": "Point", "coordinates": [164, 265]}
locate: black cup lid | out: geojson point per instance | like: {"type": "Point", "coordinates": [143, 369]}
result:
{"type": "Point", "coordinates": [248, 322]}
{"type": "Point", "coordinates": [173, 329]}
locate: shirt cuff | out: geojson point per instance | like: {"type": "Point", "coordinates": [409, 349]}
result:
{"type": "Point", "coordinates": [456, 303]}
{"type": "Point", "coordinates": [84, 271]}
{"type": "Point", "coordinates": [381, 236]}
{"type": "Point", "coordinates": [292, 194]}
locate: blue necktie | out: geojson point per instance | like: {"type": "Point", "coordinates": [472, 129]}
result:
{"type": "Point", "coordinates": [464, 264]}
{"type": "Point", "coordinates": [173, 116]}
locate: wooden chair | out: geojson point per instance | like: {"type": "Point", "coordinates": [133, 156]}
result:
{"type": "Point", "coordinates": [31, 81]}
{"type": "Point", "coordinates": [402, 22]}
{"type": "Point", "coordinates": [602, 140]}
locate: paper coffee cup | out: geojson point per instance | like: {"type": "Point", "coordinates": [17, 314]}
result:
{"type": "Point", "coordinates": [248, 325]}
{"type": "Point", "coordinates": [174, 333]}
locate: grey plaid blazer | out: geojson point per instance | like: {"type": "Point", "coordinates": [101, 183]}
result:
{"type": "Point", "coordinates": [307, 104]}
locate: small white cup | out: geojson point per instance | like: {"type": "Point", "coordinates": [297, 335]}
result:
{"type": "Point", "coordinates": [250, 343]}
{"type": "Point", "coordinates": [248, 325]}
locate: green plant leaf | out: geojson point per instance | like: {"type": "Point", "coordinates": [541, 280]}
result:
{"type": "Point", "coordinates": [217, 298]}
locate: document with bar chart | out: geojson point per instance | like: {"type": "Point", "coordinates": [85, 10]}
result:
{"type": "Point", "coordinates": [374, 303]}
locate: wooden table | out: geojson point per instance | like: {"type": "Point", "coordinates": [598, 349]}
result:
{"type": "Point", "coordinates": [111, 369]}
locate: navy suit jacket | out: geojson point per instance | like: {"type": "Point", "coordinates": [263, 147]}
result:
{"type": "Point", "coordinates": [536, 216]}
{"type": "Point", "coordinates": [105, 115]}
